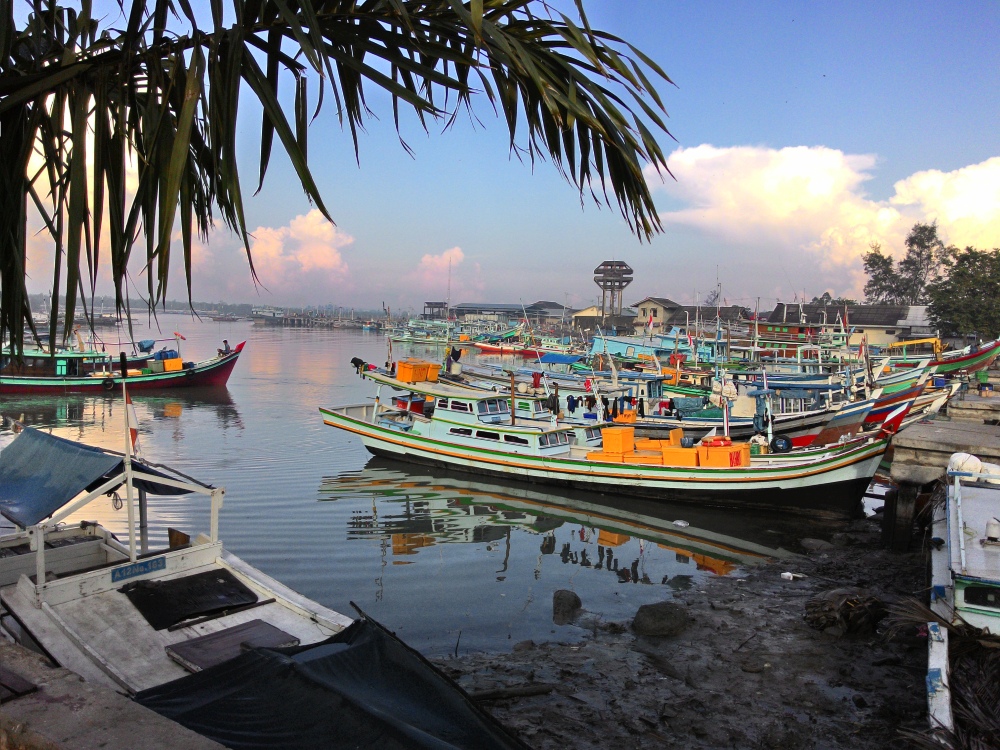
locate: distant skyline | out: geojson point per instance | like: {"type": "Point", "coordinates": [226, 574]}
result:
{"type": "Point", "coordinates": [804, 132]}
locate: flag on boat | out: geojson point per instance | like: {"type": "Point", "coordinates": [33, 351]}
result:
{"type": "Point", "coordinates": [133, 423]}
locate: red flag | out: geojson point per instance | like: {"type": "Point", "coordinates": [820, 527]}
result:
{"type": "Point", "coordinates": [133, 423]}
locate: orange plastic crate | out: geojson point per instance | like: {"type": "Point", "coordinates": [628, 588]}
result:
{"type": "Point", "coordinates": [602, 456]}
{"type": "Point", "coordinates": [650, 444]}
{"type": "Point", "coordinates": [432, 372]}
{"type": "Point", "coordinates": [173, 365]}
{"type": "Point", "coordinates": [677, 456]}
{"type": "Point", "coordinates": [411, 371]}
{"type": "Point", "coordinates": [618, 439]}
{"type": "Point", "coordinates": [725, 456]}
{"type": "Point", "coordinates": [653, 458]}
{"type": "Point", "coordinates": [627, 416]}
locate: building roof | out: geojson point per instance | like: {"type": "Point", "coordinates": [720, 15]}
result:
{"type": "Point", "coordinates": [684, 313]}
{"type": "Point", "coordinates": [661, 301]}
{"type": "Point", "coordinates": [856, 315]}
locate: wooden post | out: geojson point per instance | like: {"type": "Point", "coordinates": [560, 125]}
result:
{"type": "Point", "coordinates": [897, 518]}
{"type": "Point", "coordinates": [513, 395]}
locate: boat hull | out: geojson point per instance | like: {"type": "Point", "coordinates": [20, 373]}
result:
{"type": "Point", "coordinates": [210, 373]}
{"type": "Point", "coordinates": [833, 485]}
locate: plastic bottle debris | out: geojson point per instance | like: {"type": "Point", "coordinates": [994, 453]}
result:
{"type": "Point", "coordinates": [793, 576]}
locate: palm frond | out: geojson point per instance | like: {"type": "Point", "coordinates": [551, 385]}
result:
{"type": "Point", "coordinates": [161, 98]}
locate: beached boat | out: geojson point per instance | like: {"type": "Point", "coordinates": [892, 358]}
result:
{"type": "Point", "coordinates": [965, 573]}
{"type": "Point", "coordinates": [68, 370]}
{"type": "Point", "coordinates": [110, 611]}
{"type": "Point", "coordinates": [474, 431]}
{"type": "Point", "coordinates": [194, 632]}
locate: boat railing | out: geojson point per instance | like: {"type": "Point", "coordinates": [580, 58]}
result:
{"type": "Point", "coordinates": [958, 476]}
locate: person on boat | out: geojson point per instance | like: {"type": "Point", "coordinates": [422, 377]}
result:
{"type": "Point", "coordinates": [225, 348]}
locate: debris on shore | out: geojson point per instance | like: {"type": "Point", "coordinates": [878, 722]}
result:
{"type": "Point", "coordinates": [740, 662]}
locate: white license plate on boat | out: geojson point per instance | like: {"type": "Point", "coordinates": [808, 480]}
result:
{"type": "Point", "coordinates": [138, 569]}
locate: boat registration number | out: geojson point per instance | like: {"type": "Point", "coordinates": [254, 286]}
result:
{"type": "Point", "coordinates": [138, 569]}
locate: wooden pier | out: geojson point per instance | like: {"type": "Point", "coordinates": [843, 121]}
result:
{"type": "Point", "coordinates": [921, 452]}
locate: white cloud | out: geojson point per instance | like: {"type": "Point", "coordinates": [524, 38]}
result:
{"type": "Point", "coordinates": [809, 203]}
{"type": "Point", "coordinates": [432, 266]}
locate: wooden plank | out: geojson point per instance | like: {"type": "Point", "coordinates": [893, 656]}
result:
{"type": "Point", "coordinates": [13, 685]}
{"type": "Point", "coordinates": [215, 648]}
{"type": "Point", "coordinates": [52, 639]}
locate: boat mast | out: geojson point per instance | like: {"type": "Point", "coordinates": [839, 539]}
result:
{"type": "Point", "coordinates": [129, 498]}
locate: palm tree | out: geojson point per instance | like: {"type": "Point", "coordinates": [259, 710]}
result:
{"type": "Point", "coordinates": [82, 107]}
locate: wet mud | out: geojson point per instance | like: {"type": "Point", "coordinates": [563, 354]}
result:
{"type": "Point", "coordinates": [746, 671]}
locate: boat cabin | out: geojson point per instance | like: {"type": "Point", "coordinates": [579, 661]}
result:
{"type": "Point", "coordinates": [40, 363]}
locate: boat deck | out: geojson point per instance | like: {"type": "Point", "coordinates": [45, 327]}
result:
{"type": "Point", "coordinates": [106, 639]}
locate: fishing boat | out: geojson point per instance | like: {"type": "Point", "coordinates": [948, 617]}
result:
{"type": "Point", "coordinates": [194, 632]}
{"type": "Point", "coordinates": [473, 431]}
{"type": "Point", "coordinates": [972, 358]}
{"type": "Point", "coordinates": [73, 371]}
{"type": "Point", "coordinates": [965, 572]}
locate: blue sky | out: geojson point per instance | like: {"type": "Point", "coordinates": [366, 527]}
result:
{"type": "Point", "coordinates": [804, 132]}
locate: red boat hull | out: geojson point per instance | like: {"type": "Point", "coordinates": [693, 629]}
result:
{"type": "Point", "coordinates": [207, 374]}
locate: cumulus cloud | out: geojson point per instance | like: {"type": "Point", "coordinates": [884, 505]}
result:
{"type": "Point", "coordinates": [812, 200]}
{"type": "Point", "coordinates": [432, 266]}
{"type": "Point", "coordinates": [308, 245]}
{"type": "Point", "coordinates": [300, 263]}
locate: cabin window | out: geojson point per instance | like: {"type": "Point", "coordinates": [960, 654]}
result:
{"type": "Point", "coordinates": [487, 435]}
{"type": "Point", "coordinates": [442, 403]}
{"type": "Point", "coordinates": [463, 431]}
{"type": "Point", "coordinates": [459, 406]}
{"type": "Point", "coordinates": [592, 433]}
{"type": "Point", "coordinates": [983, 596]}
{"type": "Point", "coordinates": [60, 367]}
{"type": "Point", "coordinates": [494, 406]}
{"type": "Point", "coordinates": [515, 439]}
{"type": "Point", "coordinates": [543, 440]}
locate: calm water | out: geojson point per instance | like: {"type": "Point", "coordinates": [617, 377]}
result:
{"type": "Point", "coordinates": [439, 557]}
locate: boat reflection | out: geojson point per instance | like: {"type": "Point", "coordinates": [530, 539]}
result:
{"type": "Point", "coordinates": [82, 412]}
{"type": "Point", "coordinates": [427, 510]}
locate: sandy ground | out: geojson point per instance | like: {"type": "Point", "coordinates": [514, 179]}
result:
{"type": "Point", "coordinates": [748, 671]}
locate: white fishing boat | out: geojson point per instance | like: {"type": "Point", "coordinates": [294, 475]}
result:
{"type": "Point", "coordinates": [475, 431]}
{"type": "Point", "coordinates": [198, 635]}
{"type": "Point", "coordinates": [965, 573]}
{"type": "Point", "coordinates": [110, 611]}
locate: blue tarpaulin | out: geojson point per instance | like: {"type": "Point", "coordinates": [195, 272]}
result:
{"type": "Point", "coordinates": [553, 358]}
{"type": "Point", "coordinates": [40, 473]}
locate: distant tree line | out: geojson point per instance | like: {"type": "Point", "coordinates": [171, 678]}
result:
{"type": "Point", "coordinates": [960, 287]}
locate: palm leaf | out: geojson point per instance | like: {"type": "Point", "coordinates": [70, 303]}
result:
{"type": "Point", "coordinates": [161, 97]}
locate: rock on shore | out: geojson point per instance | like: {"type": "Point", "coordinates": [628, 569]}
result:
{"type": "Point", "coordinates": [743, 669]}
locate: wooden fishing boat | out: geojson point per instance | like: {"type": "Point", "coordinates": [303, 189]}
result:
{"type": "Point", "coordinates": [111, 611]}
{"type": "Point", "coordinates": [972, 358]}
{"type": "Point", "coordinates": [474, 431]}
{"type": "Point", "coordinates": [71, 371]}
{"type": "Point", "coordinates": [194, 632]}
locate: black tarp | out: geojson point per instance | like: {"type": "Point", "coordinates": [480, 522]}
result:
{"type": "Point", "coordinates": [362, 688]}
{"type": "Point", "coordinates": [166, 603]}
{"type": "Point", "coordinates": [40, 473]}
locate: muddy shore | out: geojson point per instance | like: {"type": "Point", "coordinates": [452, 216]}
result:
{"type": "Point", "coordinates": [747, 671]}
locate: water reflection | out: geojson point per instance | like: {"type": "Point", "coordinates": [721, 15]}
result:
{"type": "Point", "coordinates": [411, 512]}
{"type": "Point", "coordinates": [87, 416]}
